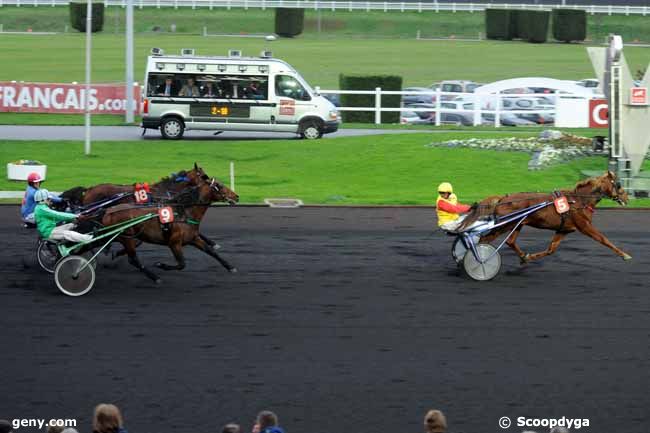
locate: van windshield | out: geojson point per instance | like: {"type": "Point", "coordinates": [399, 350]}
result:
{"type": "Point", "coordinates": [290, 87]}
{"type": "Point", "coordinates": [208, 86]}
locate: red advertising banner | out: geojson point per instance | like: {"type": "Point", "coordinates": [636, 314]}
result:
{"type": "Point", "coordinates": [64, 98]}
{"type": "Point", "coordinates": [598, 113]}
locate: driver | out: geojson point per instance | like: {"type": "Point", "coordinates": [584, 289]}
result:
{"type": "Point", "coordinates": [46, 220]}
{"type": "Point", "coordinates": [34, 181]}
{"type": "Point", "coordinates": [448, 208]}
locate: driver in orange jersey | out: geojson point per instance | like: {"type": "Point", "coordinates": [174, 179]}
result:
{"type": "Point", "coordinates": [448, 208]}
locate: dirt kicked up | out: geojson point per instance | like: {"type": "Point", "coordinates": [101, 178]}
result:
{"type": "Point", "coordinates": [340, 319]}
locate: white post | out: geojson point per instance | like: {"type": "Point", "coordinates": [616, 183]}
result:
{"type": "Point", "coordinates": [438, 97]}
{"type": "Point", "coordinates": [477, 109]}
{"type": "Point", "coordinates": [377, 105]}
{"type": "Point", "coordinates": [497, 109]}
{"type": "Point", "coordinates": [232, 176]}
{"type": "Point", "coordinates": [130, 103]}
{"type": "Point", "coordinates": [89, 24]}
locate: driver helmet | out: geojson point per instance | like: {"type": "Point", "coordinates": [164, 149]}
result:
{"type": "Point", "coordinates": [34, 177]}
{"type": "Point", "coordinates": [445, 187]}
{"type": "Point", "coordinates": [41, 195]}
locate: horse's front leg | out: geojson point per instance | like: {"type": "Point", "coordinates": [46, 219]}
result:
{"type": "Point", "coordinates": [177, 250]}
{"type": "Point", "coordinates": [588, 229]}
{"type": "Point", "coordinates": [200, 244]}
{"type": "Point", "coordinates": [555, 242]}
{"type": "Point", "coordinates": [212, 244]}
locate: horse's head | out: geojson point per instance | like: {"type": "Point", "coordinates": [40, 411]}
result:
{"type": "Point", "coordinates": [611, 187]}
{"type": "Point", "coordinates": [196, 175]}
{"type": "Point", "coordinates": [214, 190]}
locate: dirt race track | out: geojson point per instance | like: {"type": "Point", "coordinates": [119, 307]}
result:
{"type": "Point", "coordinates": [350, 320]}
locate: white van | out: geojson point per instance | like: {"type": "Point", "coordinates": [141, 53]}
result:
{"type": "Point", "coordinates": [231, 93]}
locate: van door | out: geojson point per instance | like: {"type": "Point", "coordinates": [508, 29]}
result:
{"type": "Point", "coordinates": [292, 102]}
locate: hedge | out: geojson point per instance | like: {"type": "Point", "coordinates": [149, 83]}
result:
{"type": "Point", "coordinates": [370, 82]}
{"type": "Point", "coordinates": [289, 22]}
{"type": "Point", "coordinates": [531, 26]}
{"type": "Point", "coordinates": [78, 16]}
{"type": "Point", "coordinates": [569, 25]}
{"type": "Point", "coordinates": [497, 24]}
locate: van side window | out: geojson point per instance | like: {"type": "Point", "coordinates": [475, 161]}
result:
{"type": "Point", "coordinates": [289, 87]}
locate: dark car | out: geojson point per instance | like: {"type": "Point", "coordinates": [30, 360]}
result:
{"type": "Point", "coordinates": [418, 98]}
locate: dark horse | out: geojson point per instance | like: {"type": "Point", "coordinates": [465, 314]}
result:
{"type": "Point", "coordinates": [190, 205]}
{"type": "Point", "coordinates": [160, 192]}
{"type": "Point", "coordinates": [582, 200]}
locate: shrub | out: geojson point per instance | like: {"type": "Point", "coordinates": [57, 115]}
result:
{"type": "Point", "coordinates": [370, 82]}
{"type": "Point", "coordinates": [78, 16]}
{"type": "Point", "coordinates": [289, 22]}
{"type": "Point", "coordinates": [498, 24]}
{"type": "Point", "coordinates": [569, 25]}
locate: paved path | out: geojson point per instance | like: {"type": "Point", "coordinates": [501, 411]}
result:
{"type": "Point", "coordinates": [341, 320]}
{"type": "Point", "coordinates": [121, 133]}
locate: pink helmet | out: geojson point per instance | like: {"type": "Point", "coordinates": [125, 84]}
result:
{"type": "Point", "coordinates": [34, 177]}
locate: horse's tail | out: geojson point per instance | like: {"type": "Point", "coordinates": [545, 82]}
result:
{"type": "Point", "coordinates": [74, 196]}
{"type": "Point", "coordinates": [484, 208]}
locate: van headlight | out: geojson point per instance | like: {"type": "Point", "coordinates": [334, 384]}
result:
{"type": "Point", "coordinates": [334, 115]}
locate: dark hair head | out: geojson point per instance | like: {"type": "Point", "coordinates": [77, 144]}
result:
{"type": "Point", "coordinates": [266, 418]}
{"type": "Point", "coordinates": [435, 422]}
{"type": "Point", "coordinates": [5, 426]}
{"type": "Point", "coordinates": [231, 428]}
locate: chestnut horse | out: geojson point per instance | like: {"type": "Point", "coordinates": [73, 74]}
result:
{"type": "Point", "coordinates": [582, 200]}
{"type": "Point", "coordinates": [189, 207]}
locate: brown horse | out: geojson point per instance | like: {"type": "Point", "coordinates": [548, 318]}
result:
{"type": "Point", "coordinates": [582, 200]}
{"type": "Point", "coordinates": [189, 208]}
{"type": "Point", "coordinates": [160, 192]}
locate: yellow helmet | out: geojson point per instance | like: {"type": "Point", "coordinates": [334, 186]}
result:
{"type": "Point", "coordinates": [445, 187]}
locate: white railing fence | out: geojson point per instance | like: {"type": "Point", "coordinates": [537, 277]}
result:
{"type": "Point", "coordinates": [481, 104]}
{"type": "Point", "coordinates": [348, 5]}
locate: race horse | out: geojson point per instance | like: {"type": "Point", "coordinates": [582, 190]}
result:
{"type": "Point", "coordinates": [582, 201]}
{"type": "Point", "coordinates": [189, 206]}
{"type": "Point", "coordinates": [107, 194]}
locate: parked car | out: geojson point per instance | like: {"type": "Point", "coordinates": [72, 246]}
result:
{"type": "Point", "coordinates": [424, 114]}
{"type": "Point", "coordinates": [507, 119]}
{"type": "Point", "coordinates": [412, 118]}
{"type": "Point", "coordinates": [459, 119]}
{"type": "Point", "coordinates": [417, 98]}
{"type": "Point", "coordinates": [457, 86]}
{"type": "Point", "coordinates": [588, 82]}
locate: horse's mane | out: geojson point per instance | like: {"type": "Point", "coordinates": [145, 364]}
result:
{"type": "Point", "coordinates": [484, 208]}
{"type": "Point", "coordinates": [170, 181]}
{"type": "Point", "coordinates": [74, 195]}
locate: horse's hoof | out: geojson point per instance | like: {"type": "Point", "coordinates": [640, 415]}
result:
{"type": "Point", "coordinates": [524, 259]}
{"type": "Point", "coordinates": [233, 270]}
{"type": "Point", "coordinates": [157, 281]}
{"type": "Point", "coordinates": [627, 257]}
{"type": "Point", "coordinates": [216, 247]}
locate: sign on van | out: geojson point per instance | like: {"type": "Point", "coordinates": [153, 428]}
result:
{"type": "Point", "coordinates": [64, 98]}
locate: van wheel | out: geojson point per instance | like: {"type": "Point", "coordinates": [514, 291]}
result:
{"type": "Point", "coordinates": [311, 130]}
{"type": "Point", "coordinates": [172, 128]}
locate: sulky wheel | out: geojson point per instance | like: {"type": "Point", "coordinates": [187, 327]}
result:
{"type": "Point", "coordinates": [458, 250]}
{"type": "Point", "coordinates": [487, 267]}
{"type": "Point", "coordinates": [74, 275]}
{"type": "Point", "coordinates": [47, 255]}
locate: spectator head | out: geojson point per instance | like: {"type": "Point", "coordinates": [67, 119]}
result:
{"type": "Point", "coordinates": [231, 428]}
{"type": "Point", "coordinates": [107, 419]}
{"type": "Point", "coordinates": [169, 80]}
{"type": "Point", "coordinates": [560, 430]}
{"type": "Point", "coordinates": [267, 419]}
{"type": "Point", "coordinates": [435, 422]}
{"type": "Point", "coordinates": [5, 426]}
{"type": "Point", "coordinates": [54, 429]}
{"type": "Point", "coordinates": [70, 430]}
{"type": "Point", "coordinates": [190, 81]}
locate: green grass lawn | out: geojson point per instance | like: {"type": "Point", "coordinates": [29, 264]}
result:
{"type": "Point", "coordinates": [390, 169]}
{"type": "Point", "coordinates": [61, 58]}
{"type": "Point", "coordinates": [356, 24]}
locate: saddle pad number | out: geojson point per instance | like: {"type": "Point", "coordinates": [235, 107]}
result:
{"type": "Point", "coordinates": [141, 196]}
{"type": "Point", "coordinates": [561, 204]}
{"type": "Point", "coordinates": [166, 215]}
